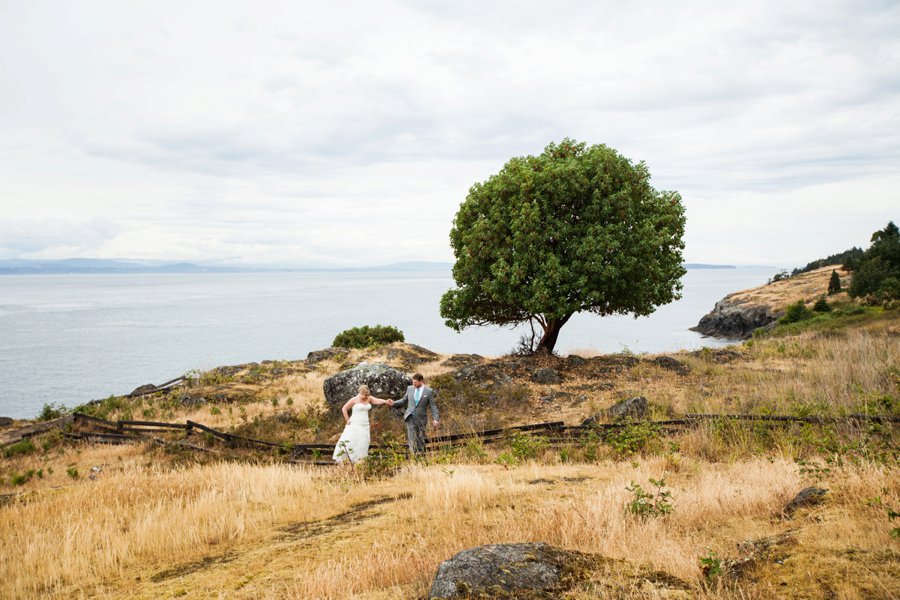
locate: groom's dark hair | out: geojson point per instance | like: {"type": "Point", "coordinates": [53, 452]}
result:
{"type": "Point", "coordinates": [418, 377]}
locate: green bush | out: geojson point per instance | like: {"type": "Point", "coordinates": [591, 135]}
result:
{"type": "Point", "coordinates": [22, 478]}
{"type": "Point", "coordinates": [650, 504]}
{"type": "Point", "coordinates": [779, 276]}
{"type": "Point", "coordinates": [19, 448]}
{"type": "Point", "coordinates": [631, 439]}
{"type": "Point", "coordinates": [366, 337]}
{"type": "Point", "coordinates": [821, 305]}
{"type": "Point", "coordinates": [52, 411]}
{"type": "Point", "coordinates": [796, 312]}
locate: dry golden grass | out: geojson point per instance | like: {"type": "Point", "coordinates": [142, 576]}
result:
{"type": "Point", "coordinates": [810, 373]}
{"type": "Point", "coordinates": [805, 286]}
{"type": "Point", "coordinates": [150, 529]}
{"type": "Point", "coordinates": [281, 532]}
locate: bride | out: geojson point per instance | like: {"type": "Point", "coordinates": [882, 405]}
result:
{"type": "Point", "coordinates": [354, 442]}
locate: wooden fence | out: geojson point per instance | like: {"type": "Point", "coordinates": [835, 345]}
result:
{"type": "Point", "coordinates": [92, 429]}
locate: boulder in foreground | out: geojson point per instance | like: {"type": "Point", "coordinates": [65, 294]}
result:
{"type": "Point", "coordinates": [506, 571]}
{"type": "Point", "coordinates": [533, 571]}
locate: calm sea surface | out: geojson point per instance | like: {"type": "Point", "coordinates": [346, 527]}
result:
{"type": "Point", "coordinates": [72, 338]}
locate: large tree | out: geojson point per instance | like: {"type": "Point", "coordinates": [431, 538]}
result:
{"type": "Point", "coordinates": [575, 229]}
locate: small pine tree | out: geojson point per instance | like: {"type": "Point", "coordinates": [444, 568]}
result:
{"type": "Point", "coordinates": [834, 284]}
{"type": "Point", "coordinates": [821, 305]}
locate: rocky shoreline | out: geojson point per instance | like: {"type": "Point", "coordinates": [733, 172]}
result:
{"type": "Point", "coordinates": [730, 319]}
{"type": "Point", "coordinates": [739, 314]}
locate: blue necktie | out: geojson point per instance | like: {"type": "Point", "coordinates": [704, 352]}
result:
{"type": "Point", "coordinates": [418, 395]}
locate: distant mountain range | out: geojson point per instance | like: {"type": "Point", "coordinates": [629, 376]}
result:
{"type": "Point", "coordinates": [706, 266]}
{"type": "Point", "coordinates": [101, 266]}
{"type": "Point", "coordinates": [94, 265]}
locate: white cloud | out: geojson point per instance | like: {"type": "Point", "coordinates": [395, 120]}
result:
{"type": "Point", "coordinates": [300, 133]}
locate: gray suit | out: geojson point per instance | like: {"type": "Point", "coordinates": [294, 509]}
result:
{"type": "Point", "coordinates": [416, 417]}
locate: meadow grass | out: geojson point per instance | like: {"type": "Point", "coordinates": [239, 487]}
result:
{"type": "Point", "coordinates": [157, 525]}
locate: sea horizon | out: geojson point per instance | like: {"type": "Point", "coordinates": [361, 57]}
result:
{"type": "Point", "coordinates": [70, 339]}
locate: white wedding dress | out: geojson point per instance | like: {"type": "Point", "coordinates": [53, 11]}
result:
{"type": "Point", "coordinates": [354, 442]}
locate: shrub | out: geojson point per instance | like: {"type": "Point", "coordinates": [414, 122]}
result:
{"type": "Point", "coordinates": [19, 448]}
{"type": "Point", "coordinates": [22, 478]}
{"type": "Point", "coordinates": [650, 504]}
{"type": "Point", "coordinates": [387, 460]}
{"type": "Point", "coordinates": [796, 312]}
{"type": "Point", "coordinates": [52, 411]}
{"type": "Point", "coordinates": [779, 276]}
{"type": "Point", "coordinates": [821, 305]}
{"type": "Point", "coordinates": [632, 439]}
{"type": "Point", "coordinates": [711, 565]}
{"type": "Point", "coordinates": [366, 337]}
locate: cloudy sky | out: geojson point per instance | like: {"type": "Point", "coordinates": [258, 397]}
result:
{"type": "Point", "coordinates": [348, 133]}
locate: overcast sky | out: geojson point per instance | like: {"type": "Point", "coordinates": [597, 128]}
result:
{"type": "Point", "coordinates": [348, 133]}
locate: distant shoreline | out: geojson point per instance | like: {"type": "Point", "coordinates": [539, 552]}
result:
{"type": "Point", "coordinates": [113, 267]}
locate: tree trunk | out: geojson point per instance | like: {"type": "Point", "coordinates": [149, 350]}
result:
{"type": "Point", "coordinates": [551, 333]}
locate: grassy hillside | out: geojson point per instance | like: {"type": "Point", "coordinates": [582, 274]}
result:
{"type": "Point", "coordinates": [152, 522]}
{"type": "Point", "coordinates": [807, 286]}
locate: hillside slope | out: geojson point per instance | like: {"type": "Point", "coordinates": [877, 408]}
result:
{"type": "Point", "coordinates": [738, 314]}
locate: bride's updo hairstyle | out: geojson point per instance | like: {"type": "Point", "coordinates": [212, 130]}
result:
{"type": "Point", "coordinates": [364, 391]}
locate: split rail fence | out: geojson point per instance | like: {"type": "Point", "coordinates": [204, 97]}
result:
{"type": "Point", "coordinates": [97, 430]}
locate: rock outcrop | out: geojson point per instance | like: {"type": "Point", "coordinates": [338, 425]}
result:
{"type": "Point", "coordinates": [737, 315]}
{"type": "Point", "coordinates": [631, 409]}
{"type": "Point", "coordinates": [733, 320]}
{"type": "Point", "coordinates": [383, 382]}
{"type": "Point", "coordinates": [331, 353]}
{"type": "Point", "coordinates": [546, 376]}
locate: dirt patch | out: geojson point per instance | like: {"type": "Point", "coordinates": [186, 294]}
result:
{"type": "Point", "coordinates": [193, 567]}
{"type": "Point", "coordinates": [357, 513]}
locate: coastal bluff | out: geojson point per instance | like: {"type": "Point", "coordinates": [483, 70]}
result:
{"type": "Point", "coordinates": [738, 315]}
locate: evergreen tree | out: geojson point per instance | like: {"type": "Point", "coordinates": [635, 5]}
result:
{"type": "Point", "coordinates": [878, 272]}
{"type": "Point", "coordinates": [834, 284]}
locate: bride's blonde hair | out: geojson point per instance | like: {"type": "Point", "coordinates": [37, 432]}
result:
{"type": "Point", "coordinates": [364, 391]}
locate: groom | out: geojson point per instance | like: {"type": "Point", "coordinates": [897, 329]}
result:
{"type": "Point", "coordinates": [418, 399]}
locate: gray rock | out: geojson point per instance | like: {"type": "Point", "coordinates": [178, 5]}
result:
{"type": "Point", "coordinates": [546, 376]}
{"type": "Point", "coordinates": [463, 360]}
{"type": "Point", "coordinates": [6, 421]}
{"type": "Point", "coordinates": [633, 408]}
{"type": "Point", "coordinates": [190, 400]}
{"type": "Point", "coordinates": [507, 571]}
{"type": "Point", "coordinates": [573, 360]}
{"type": "Point", "coordinates": [671, 364]}
{"type": "Point", "coordinates": [410, 355]}
{"type": "Point", "coordinates": [383, 381]}
{"type": "Point", "coordinates": [147, 388]}
{"type": "Point", "coordinates": [558, 395]}
{"type": "Point", "coordinates": [733, 320]}
{"type": "Point", "coordinates": [805, 498]}
{"type": "Point", "coordinates": [318, 356]}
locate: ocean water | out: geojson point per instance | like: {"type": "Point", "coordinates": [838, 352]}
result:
{"type": "Point", "coordinates": [72, 338]}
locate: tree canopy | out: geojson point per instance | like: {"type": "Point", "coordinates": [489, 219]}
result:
{"type": "Point", "coordinates": [877, 273]}
{"type": "Point", "coordinates": [575, 229]}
